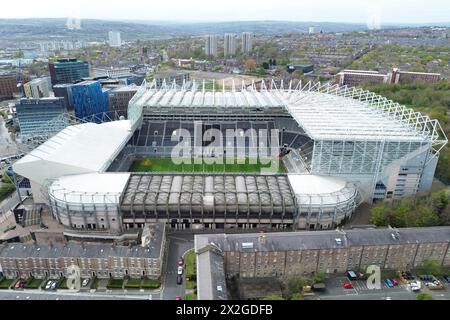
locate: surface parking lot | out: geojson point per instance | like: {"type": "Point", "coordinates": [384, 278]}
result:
{"type": "Point", "coordinates": [335, 288]}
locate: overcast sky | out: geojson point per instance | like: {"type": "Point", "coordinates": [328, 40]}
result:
{"type": "Point", "coordinates": [360, 11]}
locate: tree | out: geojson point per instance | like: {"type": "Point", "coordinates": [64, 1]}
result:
{"type": "Point", "coordinates": [297, 296]}
{"type": "Point", "coordinates": [319, 277]}
{"type": "Point", "coordinates": [261, 71]}
{"type": "Point", "coordinates": [432, 267]}
{"type": "Point", "coordinates": [250, 64]}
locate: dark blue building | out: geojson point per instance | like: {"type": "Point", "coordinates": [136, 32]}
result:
{"type": "Point", "coordinates": [89, 98]}
{"type": "Point", "coordinates": [68, 71]}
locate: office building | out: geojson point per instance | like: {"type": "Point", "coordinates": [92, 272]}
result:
{"type": "Point", "coordinates": [89, 98]}
{"type": "Point", "coordinates": [247, 42]}
{"type": "Point", "coordinates": [34, 116]}
{"type": "Point", "coordinates": [211, 45]}
{"type": "Point", "coordinates": [64, 91]}
{"type": "Point", "coordinates": [9, 85]}
{"type": "Point", "coordinates": [402, 77]}
{"type": "Point", "coordinates": [38, 88]}
{"type": "Point", "coordinates": [303, 68]}
{"type": "Point", "coordinates": [68, 71]}
{"type": "Point", "coordinates": [169, 77]}
{"type": "Point", "coordinates": [358, 77]}
{"type": "Point", "coordinates": [115, 39]}
{"type": "Point", "coordinates": [229, 44]}
{"type": "Point", "coordinates": [120, 97]}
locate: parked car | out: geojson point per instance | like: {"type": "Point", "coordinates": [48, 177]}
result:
{"type": "Point", "coordinates": [426, 277]}
{"type": "Point", "coordinates": [53, 286]}
{"type": "Point", "coordinates": [352, 275]}
{"type": "Point", "coordinates": [415, 286]}
{"type": "Point", "coordinates": [446, 278]}
{"type": "Point", "coordinates": [180, 271]}
{"type": "Point", "coordinates": [179, 279]}
{"type": "Point", "coordinates": [389, 283]}
{"type": "Point", "coordinates": [48, 285]}
{"type": "Point", "coordinates": [394, 282]}
{"type": "Point", "coordinates": [347, 285]}
{"type": "Point", "coordinates": [19, 284]}
{"type": "Point", "coordinates": [178, 298]}
{"type": "Point", "coordinates": [85, 282]}
{"type": "Point", "coordinates": [181, 262]}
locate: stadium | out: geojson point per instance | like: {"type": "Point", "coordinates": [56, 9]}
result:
{"type": "Point", "coordinates": [302, 157]}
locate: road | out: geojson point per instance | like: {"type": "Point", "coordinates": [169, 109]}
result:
{"type": "Point", "coordinates": [43, 295]}
{"type": "Point", "coordinates": [7, 146]}
{"type": "Point", "coordinates": [178, 244]}
{"type": "Point", "coordinates": [9, 203]}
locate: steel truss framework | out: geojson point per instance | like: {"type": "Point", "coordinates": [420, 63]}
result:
{"type": "Point", "coordinates": [354, 130]}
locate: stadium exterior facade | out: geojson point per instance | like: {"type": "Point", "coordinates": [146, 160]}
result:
{"type": "Point", "coordinates": [340, 146]}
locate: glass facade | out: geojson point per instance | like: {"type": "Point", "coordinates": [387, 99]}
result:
{"type": "Point", "coordinates": [68, 71]}
{"type": "Point", "coordinates": [34, 116]}
{"type": "Point", "coordinates": [88, 98]}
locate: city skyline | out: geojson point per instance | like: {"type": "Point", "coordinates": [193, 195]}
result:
{"type": "Point", "coordinates": [371, 13]}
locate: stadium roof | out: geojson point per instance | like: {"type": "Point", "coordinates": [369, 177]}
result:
{"type": "Point", "coordinates": [325, 112]}
{"type": "Point", "coordinates": [89, 188]}
{"type": "Point", "coordinates": [321, 190]}
{"type": "Point", "coordinates": [83, 148]}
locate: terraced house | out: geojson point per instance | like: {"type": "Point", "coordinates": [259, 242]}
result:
{"type": "Point", "coordinates": [93, 259]}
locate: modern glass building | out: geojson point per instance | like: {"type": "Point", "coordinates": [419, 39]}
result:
{"type": "Point", "coordinates": [68, 71]}
{"type": "Point", "coordinates": [89, 98]}
{"type": "Point", "coordinates": [35, 115]}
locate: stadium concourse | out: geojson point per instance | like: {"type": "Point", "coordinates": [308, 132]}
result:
{"type": "Point", "coordinates": [336, 146]}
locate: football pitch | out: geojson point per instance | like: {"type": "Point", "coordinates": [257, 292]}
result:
{"type": "Point", "coordinates": [166, 165]}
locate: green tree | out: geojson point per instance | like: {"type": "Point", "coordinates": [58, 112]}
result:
{"type": "Point", "coordinates": [432, 267]}
{"type": "Point", "coordinates": [424, 296]}
{"type": "Point", "coordinates": [273, 297]}
{"type": "Point", "coordinates": [297, 296]}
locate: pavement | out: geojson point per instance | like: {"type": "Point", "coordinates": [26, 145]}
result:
{"type": "Point", "coordinates": [178, 244]}
{"type": "Point", "coordinates": [7, 146]}
{"type": "Point", "coordinates": [58, 295]}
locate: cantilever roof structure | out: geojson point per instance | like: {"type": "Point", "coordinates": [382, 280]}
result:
{"type": "Point", "coordinates": [325, 112]}
{"type": "Point", "coordinates": [83, 148]}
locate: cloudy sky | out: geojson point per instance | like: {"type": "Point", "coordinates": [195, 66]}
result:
{"type": "Point", "coordinates": [360, 11]}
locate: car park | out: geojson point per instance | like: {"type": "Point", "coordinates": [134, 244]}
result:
{"type": "Point", "coordinates": [347, 285]}
{"type": "Point", "coordinates": [179, 279]}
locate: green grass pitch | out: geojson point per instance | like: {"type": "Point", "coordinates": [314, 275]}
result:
{"type": "Point", "coordinates": [166, 165]}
